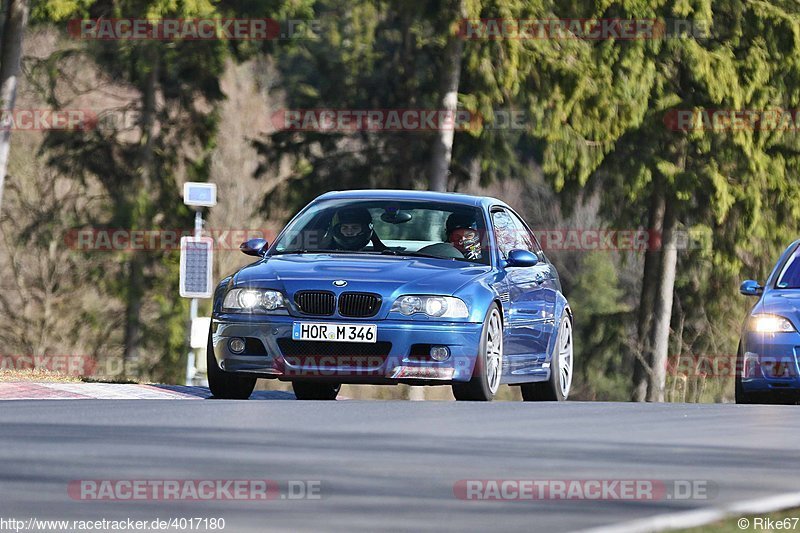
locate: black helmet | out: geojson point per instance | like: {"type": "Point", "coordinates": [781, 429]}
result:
{"type": "Point", "coordinates": [353, 215]}
{"type": "Point", "coordinates": [460, 221]}
{"type": "Point", "coordinates": [470, 246]}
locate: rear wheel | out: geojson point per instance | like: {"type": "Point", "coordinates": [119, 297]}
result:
{"type": "Point", "coordinates": [555, 389]}
{"type": "Point", "coordinates": [489, 363]}
{"type": "Point", "coordinates": [225, 385]}
{"type": "Point", "coordinates": [307, 390]}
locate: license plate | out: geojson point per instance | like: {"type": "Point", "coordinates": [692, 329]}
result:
{"type": "Point", "coordinates": [310, 331]}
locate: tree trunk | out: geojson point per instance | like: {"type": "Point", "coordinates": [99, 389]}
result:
{"type": "Point", "coordinates": [441, 154]}
{"type": "Point", "coordinates": [133, 310]}
{"type": "Point", "coordinates": [14, 23]}
{"type": "Point", "coordinates": [141, 212]}
{"type": "Point", "coordinates": [658, 350]}
{"type": "Point", "coordinates": [652, 259]}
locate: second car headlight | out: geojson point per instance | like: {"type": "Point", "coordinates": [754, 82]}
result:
{"type": "Point", "coordinates": [764, 323]}
{"type": "Point", "coordinates": [433, 306]}
{"type": "Point", "coordinates": [253, 300]}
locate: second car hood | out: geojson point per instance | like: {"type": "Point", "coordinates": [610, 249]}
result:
{"type": "Point", "coordinates": [784, 302]}
{"type": "Point", "coordinates": [386, 275]}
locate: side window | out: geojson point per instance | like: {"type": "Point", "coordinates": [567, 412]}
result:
{"type": "Point", "coordinates": [510, 233]}
{"type": "Point", "coordinates": [530, 240]}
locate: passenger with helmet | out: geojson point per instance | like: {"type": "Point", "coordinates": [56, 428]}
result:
{"type": "Point", "coordinates": [462, 233]}
{"type": "Point", "coordinates": [352, 229]}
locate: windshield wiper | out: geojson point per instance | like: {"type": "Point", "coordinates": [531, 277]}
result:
{"type": "Point", "coordinates": [308, 251]}
{"type": "Point", "coordinates": [414, 254]}
{"type": "Point", "coordinates": [365, 252]}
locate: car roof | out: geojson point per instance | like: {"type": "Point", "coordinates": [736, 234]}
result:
{"type": "Point", "coordinates": [430, 196]}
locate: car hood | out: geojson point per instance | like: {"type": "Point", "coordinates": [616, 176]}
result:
{"type": "Point", "coordinates": [784, 302]}
{"type": "Point", "coordinates": [389, 276]}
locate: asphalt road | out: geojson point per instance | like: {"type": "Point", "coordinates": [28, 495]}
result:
{"type": "Point", "coordinates": [388, 465]}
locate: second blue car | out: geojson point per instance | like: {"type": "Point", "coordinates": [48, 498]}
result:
{"type": "Point", "coordinates": [767, 369]}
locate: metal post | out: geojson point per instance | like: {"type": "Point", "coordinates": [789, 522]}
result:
{"type": "Point", "coordinates": [191, 359]}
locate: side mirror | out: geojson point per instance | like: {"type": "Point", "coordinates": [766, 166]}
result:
{"type": "Point", "coordinates": [521, 258]}
{"type": "Point", "coordinates": [255, 247]}
{"type": "Point", "coordinates": [751, 288]}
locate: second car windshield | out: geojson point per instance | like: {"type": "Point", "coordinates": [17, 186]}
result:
{"type": "Point", "coordinates": [446, 231]}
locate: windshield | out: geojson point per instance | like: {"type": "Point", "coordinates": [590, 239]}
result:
{"type": "Point", "coordinates": [390, 227]}
{"type": "Point", "coordinates": [790, 276]}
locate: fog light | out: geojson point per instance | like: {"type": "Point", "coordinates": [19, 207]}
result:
{"type": "Point", "coordinates": [236, 345]}
{"type": "Point", "coordinates": [750, 365]}
{"type": "Point", "coordinates": [439, 353]}
{"type": "Point", "coordinates": [423, 372]}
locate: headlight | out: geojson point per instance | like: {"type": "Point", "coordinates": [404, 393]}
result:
{"type": "Point", "coordinates": [253, 300]}
{"type": "Point", "coordinates": [434, 306]}
{"type": "Point", "coordinates": [770, 324]}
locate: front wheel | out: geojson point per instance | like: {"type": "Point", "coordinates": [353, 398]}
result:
{"type": "Point", "coordinates": [489, 363]}
{"type": "Point", "coordinates": [307, 390]}
{"type": "Point", "coordinates": [225, 385]}
{"type": "Point", "coordinates": [555, 389]}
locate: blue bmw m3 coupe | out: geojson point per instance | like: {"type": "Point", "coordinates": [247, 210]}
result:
{"type": "Point", "coordinates": [387, 287]}
{"type": "Point", "coordinates": [767, 368]}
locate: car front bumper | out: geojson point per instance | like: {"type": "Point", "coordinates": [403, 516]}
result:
{"type": "Point", "coordinates": [770, 362]}
{"type": "Point", "coordinates": [399, 354]}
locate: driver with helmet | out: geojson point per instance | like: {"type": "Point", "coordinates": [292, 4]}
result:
{"type": "Point", "coordinates": [352, 229]}
{"type": "Point", "coordinates": [462, 233]}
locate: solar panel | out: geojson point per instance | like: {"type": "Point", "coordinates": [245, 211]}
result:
{"type": "Point", "coordinates": [196, 256]}
{"type": "Point", "coordinates": [199, 194]}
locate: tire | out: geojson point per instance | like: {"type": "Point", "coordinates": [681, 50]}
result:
{"type": "Point", "coordinates": [489, 364]}
{"type": "Point", "coordinates": [555, 389]}
{"type": "Point", "coordinates": [225, 385]}
{"type": "Point", "coordinates": [306, 390]}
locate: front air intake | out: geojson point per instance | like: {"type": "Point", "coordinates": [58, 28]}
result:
{"type": "Point", "coordinates": [359, 304]}
{"type": "Point", "coordinates": [317, 303]}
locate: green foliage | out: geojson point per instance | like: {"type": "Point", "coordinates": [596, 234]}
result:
{"type": "Point", "coordinates": [601, 331]}
{"type": "Point", "coordinates": [736, 187]}
{"type": "Point", "coordinates": [59, 10]}
{"type": "Point", "coordinates": [168, 329]}
{"type": "Point", "coordinates": [141, 170]}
